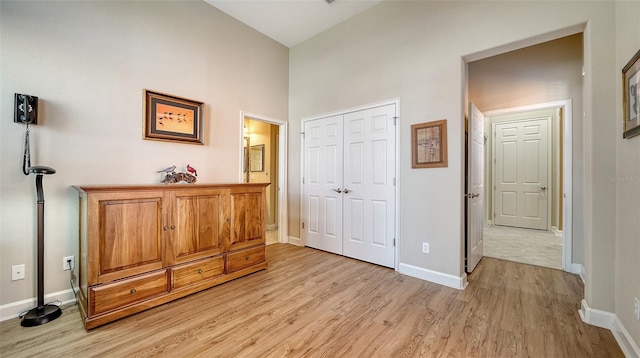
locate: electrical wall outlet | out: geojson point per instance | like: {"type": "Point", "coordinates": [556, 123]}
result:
{"type": "Point", "coordinates": [425, 247]}
{"type": "Point", "coordinates": [17, 272]}
{"type": "Point", "coordinates": [68, 263]}
{"type": "Point", "coordinates": [636, 308]}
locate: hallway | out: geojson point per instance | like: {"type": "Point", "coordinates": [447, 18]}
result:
{"type": "Point", "coordinates": [534, 247]}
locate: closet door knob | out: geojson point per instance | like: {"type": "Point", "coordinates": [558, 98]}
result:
{"type": "Point", "coordinates": [337, 190]}
{"type": "Point", "coordinates": [346, 191]}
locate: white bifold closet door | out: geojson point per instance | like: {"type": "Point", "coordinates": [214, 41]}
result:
{"type": "Point", "coordinates": [348, 184]}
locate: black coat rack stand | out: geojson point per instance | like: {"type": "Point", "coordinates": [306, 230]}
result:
{"type": "Point", "coordinates": [44, 312]}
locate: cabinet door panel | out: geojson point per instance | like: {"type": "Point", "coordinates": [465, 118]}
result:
{"type": "Point", "coordinates": [247, 219]}
{"type": "Point", "coordinates": [129, 237]}
{"type": "Point", "coordinates": [196, 225]}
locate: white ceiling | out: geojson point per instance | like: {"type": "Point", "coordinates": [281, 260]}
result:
{"type": "Point", "coordinates": [291, 21]}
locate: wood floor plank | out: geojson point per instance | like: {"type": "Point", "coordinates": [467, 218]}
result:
{"type": "Point", "coordinates": [311, 303]}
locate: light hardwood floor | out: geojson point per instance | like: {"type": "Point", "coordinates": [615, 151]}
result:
{"type": "Point", "coordinates": [310, 303]}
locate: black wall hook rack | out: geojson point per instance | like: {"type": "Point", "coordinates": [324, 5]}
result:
{"type": "Point", "coordinates": [25, 109]}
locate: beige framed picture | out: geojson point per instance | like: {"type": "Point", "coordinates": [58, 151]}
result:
{"type": "Point", "coordinates": [429, 144]}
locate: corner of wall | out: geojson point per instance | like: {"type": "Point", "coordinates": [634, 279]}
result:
{"type": "Point", "coordinates": [440, 278]}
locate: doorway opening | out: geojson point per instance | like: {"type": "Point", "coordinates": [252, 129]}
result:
{"type": "Point", "coordinates": [548, 245]}
{"type": "Point", "coordinates": [263, 160]}
{"type": "Point", "coordinates": [547, 72]}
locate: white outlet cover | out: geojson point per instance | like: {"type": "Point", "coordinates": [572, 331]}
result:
{"type": "Point", "coordinates": [17, 272]}
{"type": "Point", "coordinates": [425, 247]}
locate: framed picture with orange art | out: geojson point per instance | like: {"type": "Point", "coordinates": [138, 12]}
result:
{"type": "Point", "coordinates": [171, 118]}
{"type": "Point", "coordinates": [429, 144]}
{"type": "Point", "coordinates": [631, 97]}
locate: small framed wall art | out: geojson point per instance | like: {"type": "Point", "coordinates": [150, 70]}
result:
{"type": "Point", "coordinates": [171, 118]}
{"type": "Point", "coordinates": [429, 144]}
{"type": "Point", "coordinates": [631, 97]}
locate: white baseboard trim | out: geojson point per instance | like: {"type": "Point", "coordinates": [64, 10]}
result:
{"type": "Point", "coordinates": [610, 321]}
{"type": "Point", "coordinates": [578, 269]}
{"type": "Point", "coordinates": [440, 278]}
{"type": "Point", "coordinates": [595, 317]}
{"type": "Point", "coordinates": [557, 232]}
{"type": "Point", "coordinates": [14, 309]}
{"type": "Point", "coordinates": [295, 241]}
{"type": "Point", "coordinates": [623, 337]}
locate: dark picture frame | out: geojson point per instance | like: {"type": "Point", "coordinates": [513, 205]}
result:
{"type": "Point", "coordinates": [172, 118]}
{"type": "Point", "coordinates": [631, 97]}
{"type": "Point", "coordinates": [429, 144]}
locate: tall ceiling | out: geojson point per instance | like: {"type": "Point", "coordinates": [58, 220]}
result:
{"type": "Point", "coordinates": [292, 21]}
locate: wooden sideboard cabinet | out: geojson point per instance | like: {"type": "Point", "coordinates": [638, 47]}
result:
{"type": "Point", "coordinates": [142, 246]}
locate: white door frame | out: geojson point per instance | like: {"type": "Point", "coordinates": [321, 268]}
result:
{"type": "Point", "coordinates": [550, 186]}
{"type": "Point", "coordinates": [567, 166]}
{"type": "Point", "coordinates": [283, 207]}
{"type": "Point", "coordinates": [395, 101]}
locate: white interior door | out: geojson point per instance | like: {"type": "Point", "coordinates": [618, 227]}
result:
{"type": "Point", "coordinates": [475, 187]}
{"type": "Point", "coordinates": [522, 156]}
{"type": "Point", "coordinates": [369, 190]}
{"type": "Point", "coordinates": [322, 180]}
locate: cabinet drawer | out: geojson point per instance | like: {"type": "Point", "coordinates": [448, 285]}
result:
{"type": "Point", "coordinates": [118, 294]}
{"type": "Point", "coordinates": [188, 274]}
{"type": "Point", "coordinates": [245, 258]}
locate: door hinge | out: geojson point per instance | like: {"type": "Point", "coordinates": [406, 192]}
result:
{"type": "Point", "coordinates": [394, 120]}
{"type": "Point", "coordinates": [302, 134]}
{"type": "Point", "coordinates": [394, 242]}
{"type": "Point", "coordinates": [303, 225]}
{"type": "Point", "coordinates": [394, 181]}
{"type": "Point", "coordinates": [302, 180]}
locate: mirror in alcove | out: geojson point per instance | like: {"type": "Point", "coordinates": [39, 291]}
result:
{"type": "Point", "coordinates": [256, 158]}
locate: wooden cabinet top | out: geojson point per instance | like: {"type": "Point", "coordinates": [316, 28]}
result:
{"type": "Point", "coordinates": [173, 187]}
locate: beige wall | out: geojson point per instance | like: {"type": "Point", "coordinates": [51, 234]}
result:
{"type": "Point", "coordinates": [547, 72]}
{"type": "Point", "coordinates": [626, 180]}
{"type": "Point", "coordinates": [89, 62]}
{"type": "Point", "coordinates": [415, 51]}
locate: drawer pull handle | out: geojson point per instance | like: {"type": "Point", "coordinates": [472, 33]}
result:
{"type": "Point", "coordinates": [247, 258]}
{"type": "Point", "coordinates": [133, 290]}
{"type": "Point", "coordinates": [166, 228]}
{"type": "Point", "coordinates": [228, 220]}
{"type": "Point", "coordinates": [200, 272]}
{"type": "Point", "coordinates": [173, 227]}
